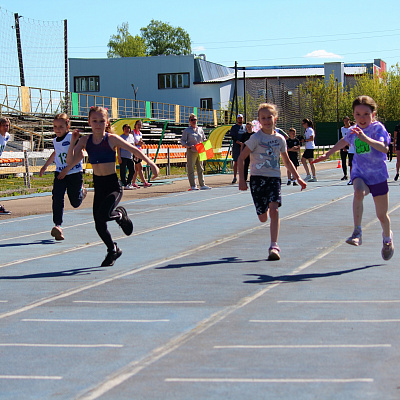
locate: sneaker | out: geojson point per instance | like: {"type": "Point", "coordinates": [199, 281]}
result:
{"type": "Point", "coordinates": [289, 182]}
{"type": "Point", "coordinates": [57, 233]}
{"type": "Point", "coordinates": [313, 179]}
{"type": "Point", "coordinates": [307, 178]}
{"type": "Point", "coordinates": [194, 188]}
{"type": "Point", "coordinates": [112, 256]}
{"type": "Point", "coordinates": [128, 187]}
{"type": "Point", "coordinates": [350, 182]}
{"type": "Point", "coordinates": [295, 183]}
{"type": "Point", "coordinates": [234, 180]}
{"type": "Point", "coordinates": [84, 193]}
{"type": "Point", "coordinates": [135, 186]}
{"type": "Point", "coordinates": [355, 239]}
{"type": "Point", "coordinates": [274, 253]}
{"type": "Point", "coordinates": [125, 223]}
{"type": "Point", "coordinates": [396, 177]}
{"type": "Point", "coordinates": [4, 211]}
{"type": "Point", "coordinates": [344, 178]}
{"type": "Point", "coordinates": [205, 187]}
{"type": "Point", "coordinates": [388, 249]}
{"type": "Point", "coordinates": [147, 184]}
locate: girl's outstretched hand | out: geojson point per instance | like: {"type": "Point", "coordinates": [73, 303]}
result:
{"type": "Point", "coordinates": [302, 183]}
{"type": "Point", "coordinates": [242, 184]}
{"type": "Point", "coordinates": [320, 158]}
{"type": "Point", "coordinates": [76, 134]}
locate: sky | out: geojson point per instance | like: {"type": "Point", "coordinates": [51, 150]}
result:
{"type": "Point", "coordinates": [253, 33]}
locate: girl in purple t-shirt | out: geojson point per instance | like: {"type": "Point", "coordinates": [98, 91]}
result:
{"type": "Point", "coordinates": [369, 172]}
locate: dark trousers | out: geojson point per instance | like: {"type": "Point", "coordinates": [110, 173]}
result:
{"type": "Point", "coordinates": [126, 163]}
{"type": "Point", "coordinates": [246, 167]}
{"type": "Point", "coordinates": [107, 195]}
{"type": "Point", "coordinates": [343, 156]}
{"type": "Point", "coordinates": [72, 184]}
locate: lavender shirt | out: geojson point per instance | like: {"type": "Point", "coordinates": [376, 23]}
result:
{"type": "Point", "coordinates": [369, 164]}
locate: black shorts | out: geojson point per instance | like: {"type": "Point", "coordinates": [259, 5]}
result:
{"type": "Point", "coordinates": [294, 158]}
{"type": "Point", "coordinates": [265, 190]}
{"type": "Point", "coordinates": [308, 154]}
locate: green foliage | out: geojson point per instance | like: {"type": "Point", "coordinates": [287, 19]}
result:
{"type": "Point", "coordinates": [125, 45]}
{"type": "Point", "coordinates": [328, 98]}
{"type": "Point", "coordinates": [164, 39]}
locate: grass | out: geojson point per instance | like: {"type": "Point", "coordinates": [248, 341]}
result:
{"type": "Point", "coordinates": [11, 185]}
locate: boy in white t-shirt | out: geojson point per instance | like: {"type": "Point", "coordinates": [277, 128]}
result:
{"type": "Point", "coordinates": [4, 137]}
{"type": "Point", "coordinates": [66, 179]}
{"type": "Point", "coordinates": [308, 154]}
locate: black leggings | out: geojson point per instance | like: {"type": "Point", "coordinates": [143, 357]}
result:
{"type": "Point", "coordinates": [343, 156]}
{"type": "Point", "coordinates": [107, 195]}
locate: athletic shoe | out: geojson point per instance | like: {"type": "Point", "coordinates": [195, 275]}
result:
{"type": "Point", "coordinates": [84, 193]}
{"type": "Point", "coordinates": [274, 253]}
{"type": "Point", "coordinates": [112, 256]}
{"type": "Point", "coordinates": [307, 178]}
{"type": "Point", "coordinates": [125, 223]}
{"type": "Point", "coordinates": [205, 187]}
{"type": "Point", "coordinates": [396, 177]}
{"type": "Point", "coordinates": [295, 183]}
{"type": "Point", "coordinates": [4, 211]}
{"type": "Point", "coordinates": [289, 182]}
{"type": "Point", "coordinates": [147, 184]}
{"type": "Point", "coordinates": [388, 249]}
{"type": "Point", "coordinates": [313, 179]}
{"type": "Point", "coordinates": [129, 187]}
{"type": "Point", "coordinates": [234, 180]}
{"type": "Point", "coordinates": [355, 239]}
{"type": "Point", "coordinates": [135, 186]}
{"type": "Point", "coordinates": [194, 188]}
{"type": "Point", "coordinates": [350, 182]}
{"type": "Point", "coordinates": [344, 178]}
{"type": "Point", "coordinates": [57, 233]}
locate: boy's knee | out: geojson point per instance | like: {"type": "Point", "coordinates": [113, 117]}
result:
{"type": "Point", "coordinates": [263, 217]}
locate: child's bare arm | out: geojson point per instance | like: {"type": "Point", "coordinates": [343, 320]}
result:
{"type": "Point", "coordinates": [49, 161]}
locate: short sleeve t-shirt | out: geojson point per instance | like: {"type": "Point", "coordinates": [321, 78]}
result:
{"type": "Point", "coordinates": [308, 133]}
{"type": "Point", "coordinates": [369, 164]}
{"type": "Point", "coordinates": [265, 154]}
{"type": "Point", "coordinates": [3, 141]}
{"type": "Point", "coordinates": [129, 138]}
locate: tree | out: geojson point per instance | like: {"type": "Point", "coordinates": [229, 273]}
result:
{"type": "Point", "coordinates": [164, 39]}
{"type": "Point", "coordinates": [125, 45]}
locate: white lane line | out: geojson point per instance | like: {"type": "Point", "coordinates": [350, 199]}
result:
{"type": "Point", "coordinates": [339, 301]}
{"type": "Point", "coordinates": [139, 302]}
{"type": "Point", "coordinates": [74, 291]}
{"type": "Point", "coordinates": [150, 230]}
{"type": "Point", "coordinates": [95, 320]}
{"type": "Point", "coordinates": [257, 380]}
{"type": "Point", "coordinates": [3, 301]}
{"type": "Point", "coordinates": [92, 222]}
{"type": "Point", "coordinates": [78, 346]}
{"type": "Point", "coordinates": [304, 346]}
{"type": "Point", "coordinates": [322, 321]}
{"type": "Point", "coordinates": [33, 377]}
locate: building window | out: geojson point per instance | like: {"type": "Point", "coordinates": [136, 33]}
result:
{"type": "Point", "coordinates": [173, 81]}
{"type": "Point", "coordinates": [86, 84]}
{"type": "Point", "coordinates": [206, 103]}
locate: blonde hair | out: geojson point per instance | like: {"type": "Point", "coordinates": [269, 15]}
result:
{"type": "Point", "coordinates": [62, 116]}
{"type": "Point", "coordinates": [268, 106]}
{"type": "Point", "coordinates": [104, 111]}
{"type": "Point", "coordinates": [292, 130]}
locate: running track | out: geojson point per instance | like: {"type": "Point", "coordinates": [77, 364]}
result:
{"type": "Point", "coordinates": [192, 309]}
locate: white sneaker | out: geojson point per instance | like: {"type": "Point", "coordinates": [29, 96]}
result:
{"type": "Point", "coordinates": [194, 188]}
{"type": "Point", "coordinates": [205, 187]}
{"type": "Point", "coordinates": [128, 187]}
{"type": "Point", "coordinates": [307, 178]}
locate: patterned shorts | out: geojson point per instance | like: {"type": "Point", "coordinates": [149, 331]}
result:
{"type": "Point", "coordinates": [265, 190]}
